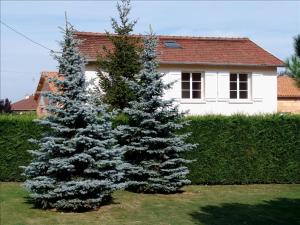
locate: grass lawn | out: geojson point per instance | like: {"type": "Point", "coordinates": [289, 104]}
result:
{"type": "Point", "coordinates": [205, 205]}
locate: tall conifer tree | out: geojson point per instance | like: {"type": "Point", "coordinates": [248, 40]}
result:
{"type": "Point", "coordinates": [77, 164]}
{"type": "Point", "coordinates": [293, 63]}
{"type": "Point", "coordinates": [117, 65]}
{"type": "Point", "coordinates": [152, 146]}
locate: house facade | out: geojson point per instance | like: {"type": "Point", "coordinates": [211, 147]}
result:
{"type": "Point", "coordinates": [44, 86]}
{"type": "Point", "coordinates": [212, 75]}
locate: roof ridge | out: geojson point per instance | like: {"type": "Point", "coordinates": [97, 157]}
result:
{"type": "Point", "coordinates": [46, 73]}
{"type": "Point", "coordinates": [49, 71]}
{"type": "Point", "coordinates": [171, 36]}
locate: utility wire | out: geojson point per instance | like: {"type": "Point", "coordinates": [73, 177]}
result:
{"type": "Point", "coordinates": [15, 71]}
{"type": "Point", "coordinates": [26, 37]}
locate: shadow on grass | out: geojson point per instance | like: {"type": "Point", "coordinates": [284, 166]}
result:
{"type": "Point", "coordinates": [30, 201]}
{"type": "Point", "coordinates": [281, 211]}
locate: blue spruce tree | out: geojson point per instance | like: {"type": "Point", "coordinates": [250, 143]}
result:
{"type": "Point", "coordinates": [152, 146]}
{"type": "Point", "coordinates": [77, 164]}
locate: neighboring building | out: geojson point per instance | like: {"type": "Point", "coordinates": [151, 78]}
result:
{"type": "Point", "coordinates": [44, 86]}
{"type": "Point", "coordinates": [288, 95]}
{"type": "Point", "coordinates": [28, 104]}
{"type": "Point", "coordinates": [214, 75]}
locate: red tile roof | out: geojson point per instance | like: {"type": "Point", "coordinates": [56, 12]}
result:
{"type": "Point", "coordinates": [194, 50]}
{"type": "Point", "coordinates": [287, 87]}
{"type": "Point", "coordinates": [26, 104]}
{"type": "Point", "coordinates": [44, 85]}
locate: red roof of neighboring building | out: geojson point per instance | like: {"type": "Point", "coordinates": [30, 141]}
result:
{"type": "Point", "coordinates": [26, 104]}
{"type": "Point", "coordinates": [44, 85]}
{"type": "Point", "coordinates": [193, 50]}
{"type": "Point", "coordinates": [287, 87]}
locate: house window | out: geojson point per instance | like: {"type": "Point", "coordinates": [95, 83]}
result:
{"type": "Point", "coordinates": [191, 85]}
{"type": "Point", "coordinates": [239, 86]}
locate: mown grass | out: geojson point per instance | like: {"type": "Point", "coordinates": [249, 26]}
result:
{"type": "Point", "coordinates": [200, 205]}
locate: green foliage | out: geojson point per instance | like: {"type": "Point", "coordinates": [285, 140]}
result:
{"type": "Point", "coordinates": [121, 63]}
{"type": "Point", "coordinates": [245, 149]}
{"type": "Point", "coordinates": [297, 45]}
{"type": "Point", "coordinates": [15, 130]}
{"type": "Point", "coordinates": [231, 150]}
{"type": "Point", "coordinates": [5, 106]}
{"type": "Point", "coordinates": [78, 165]}
{"type": "Point", "coordinates": [293, 67]}
{"type": "Point", "coordinates": [151, 143]}
{"type": "Point", "coordinates": [293, 63]}
{"type": "Point", "coordinates": [120, 119]}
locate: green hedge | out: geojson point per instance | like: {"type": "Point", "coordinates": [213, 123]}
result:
{"type": "Point", "coordinates": [231, 150]}
{"type": "Point", "coordinates": [15, 130]}
{"type": "Point", "coordinates": [245, 149]}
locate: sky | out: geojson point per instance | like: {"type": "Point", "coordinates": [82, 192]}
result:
{"type": "Point", "coordinates": [271, 24]}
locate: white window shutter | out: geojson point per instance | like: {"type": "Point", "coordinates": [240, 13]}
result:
{"type": "Point", "coordinates": [175, 91]}
{"type": "Point", "coordinates": [257, 87]}
{"type": "Point", "coordinates": [211, 86]}
{"type": "Point", "coordinates": [223, 86]}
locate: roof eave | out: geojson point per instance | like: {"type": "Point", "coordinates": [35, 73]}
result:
{"type": "Point", "coordinates": [91, 60]}
{"type": "Point", "coordinates": [288, 97]}
{"type": "Point", "coordinates": [220, 64]}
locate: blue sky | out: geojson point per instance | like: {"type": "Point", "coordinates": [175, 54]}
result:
{"type": "Point", "coordinates": [272, 25]}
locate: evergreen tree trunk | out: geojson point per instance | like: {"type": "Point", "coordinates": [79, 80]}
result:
{"type": "Point", "coordinates": [77, 164]}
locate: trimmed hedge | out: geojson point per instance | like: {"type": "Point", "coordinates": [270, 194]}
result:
{"type": "Point", "coordinates": [15, 130]}
{"type": "Point", "coordinates": [232, 149]}
{"type": "Point", "coordinates": [245, 149]}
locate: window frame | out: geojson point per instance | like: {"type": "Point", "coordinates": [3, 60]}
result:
{"type": "Point", "coordinates": [201, 81]}
{"type": "Point", "coordinates": [249, 86]}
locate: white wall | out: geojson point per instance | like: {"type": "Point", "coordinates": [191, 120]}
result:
{"type": "Point", "coordinates": [215, 94]}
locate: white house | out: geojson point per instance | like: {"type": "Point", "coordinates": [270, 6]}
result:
{"type": "Point", "coordinates": [213, 75]}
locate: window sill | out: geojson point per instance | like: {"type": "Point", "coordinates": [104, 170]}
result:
{"type": "Point", "coordinates": [239, 101]}
{"type": "Point", "coordinates": [192, 101]}
{"type": "Point", "coordinates": [258, 100]}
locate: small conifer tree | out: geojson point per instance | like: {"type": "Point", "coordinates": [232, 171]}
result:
{"type": "Point", "coordinates": [77, 164]}
{"type": "Point", "coordinates": [152, 146]}
{"type": "Point", "coordinates": [293, 63]}
{"type": "Point", "coordinates": [117, 65]}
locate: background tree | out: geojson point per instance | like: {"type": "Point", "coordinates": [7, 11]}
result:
{"type": "Point", "coordinates": [297, 45]}
{"type": "Point", "coordinates": [293, 63]}
{"type": "Point", "coordinates": [152, 146]}
{"type": "Point", "coordinates": [121, 63]}
{"type": "Point", "coordinates": [77, 165]}
{"type": "Point", "coordinates": [7, 106]}
{"type": "Point", "coordinates": [2, 103]}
